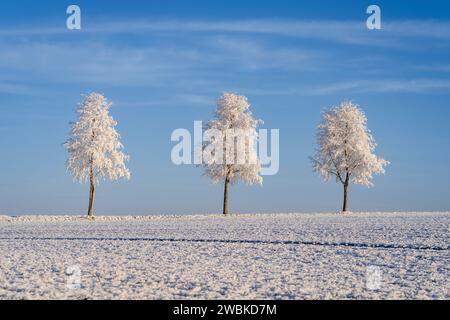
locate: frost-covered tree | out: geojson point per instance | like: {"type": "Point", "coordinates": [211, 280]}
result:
{"type": "Point", "coordinates": [229, 152]}
{"type": "Point", "coordinates": [345, 148]}
{"type": "Point", "coordinates": [94, 147]}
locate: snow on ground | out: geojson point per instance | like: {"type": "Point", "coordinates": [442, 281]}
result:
{"type": "Point", "coordinates": [276, 256]}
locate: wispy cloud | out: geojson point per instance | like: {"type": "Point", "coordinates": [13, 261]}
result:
{"type": "Point", "coordinates": [189, 64]}
{"type": "Point", "coordinates": [95, 62]}
{"type": "Point", "coordinates": [361, 86]}
{"type": "Point", "coordinates": [12, 88]}
{"type": "Point", "coordinates": [258, 55]}
{"type": "Point", "coordinates": [434, 68]}
{"type": "Point", "coordinates": [193, 59]}
{"type": "Point", "coordinates": [348, 32]}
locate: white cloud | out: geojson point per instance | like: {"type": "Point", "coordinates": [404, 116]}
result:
{"type": "Point", "coordinates": [12, 88]}
{"type": "Point", "coordinates": [221, 55]}
{"type": "Point", "coordinates": [361, 86]}
{"type": "Point", "coordinates": [348, 32]}
{"type": "Point", "coordinates": [258, 55]}
{"type": "Point", "coordinates": [434, 68]}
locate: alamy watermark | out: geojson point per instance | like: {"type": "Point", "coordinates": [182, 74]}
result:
{"type": "Point", "coordinates": [230, 146]}
{"type": "Point", "coordinates": [73, 274]}
{"type": "Point", "coordinates": [373, 277]}
{"type": "Point", "coordinates": [73, 22]}
{"type": "Point", "coordinates": [374, 20]}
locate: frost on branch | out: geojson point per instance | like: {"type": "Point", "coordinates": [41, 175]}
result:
{"type": "Point", "coordinates": [94, 143]}
{"type": "Point", "coordinates": [345, 147]}
{"type": "Point", "coordinates": [231, 151]}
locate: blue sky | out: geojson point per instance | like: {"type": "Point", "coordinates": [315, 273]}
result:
{"type": "Point", "coordinates": [164, 63]}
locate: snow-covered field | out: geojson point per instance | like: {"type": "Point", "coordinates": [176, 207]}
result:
{"type": "Point", "coordinates": [277, 256]}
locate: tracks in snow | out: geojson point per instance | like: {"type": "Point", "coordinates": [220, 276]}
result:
{"type": "Point", "coordinates": [244, 241]}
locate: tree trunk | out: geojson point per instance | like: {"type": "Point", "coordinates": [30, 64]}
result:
{"type": "Point", "coordinates": [91, 192]}
{"type": "Point", "coordinates": [344, 207]}
{"type": "Point", "coordinates": [225, 195]}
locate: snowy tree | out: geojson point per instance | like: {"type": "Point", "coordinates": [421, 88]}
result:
{"type": "Point", "coordinates": [229, 150]}
{"type": "Point", "coordinates": [94, 147]}
{"type": "Point", "coordinates": [345, 148]}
